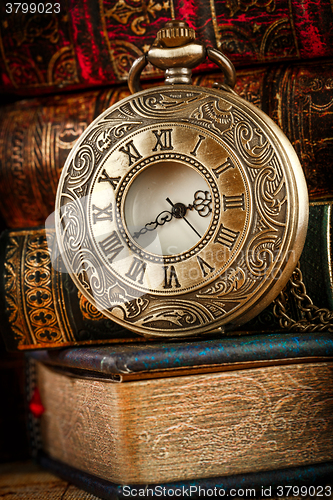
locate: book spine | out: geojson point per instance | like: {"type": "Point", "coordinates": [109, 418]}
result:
{"type": "Point", "coordinates": [73, 45]}
{"type": "Point", "coordinates": [319, 270]}
{"type": "Point", "coordinates": [266, 31]}
{"type": "Point", "coordinates": [35, 138]}
{"type": "Point", "coordinates": [37, 135]}
{"type": "Point", "coordinates": [81, 44]}
{"type": "Point", "coordinates": [40, 305]}
{"type": "Point", "coordinates": [42, 308]}
{"type": "Point", "coordinates": [299, 98]}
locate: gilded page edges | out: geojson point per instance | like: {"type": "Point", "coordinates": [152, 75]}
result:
{"type": "Point", "coordinates": [190, 426]}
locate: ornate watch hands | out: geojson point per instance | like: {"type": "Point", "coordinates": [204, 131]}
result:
{"type": "Point", "coordinates": [161, 219]}
{"type": "Point", "coordinates": [179, 210]}
{"type": "Point", "coordinates": [202, 203]}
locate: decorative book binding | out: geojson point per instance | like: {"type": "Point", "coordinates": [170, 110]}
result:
{"type": "Point", "coordinates": [37, 135]}
{"type": "Point", "coordinates": [84, 44]}
{"type": "Point", "coordinates": [42, 304]}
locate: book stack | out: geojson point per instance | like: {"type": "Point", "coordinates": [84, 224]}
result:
{"type": "Point", "coordinates": [109, 410]}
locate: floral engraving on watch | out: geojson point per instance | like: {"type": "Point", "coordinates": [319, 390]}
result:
{"type": "Point", "coordinates": [171, 260]}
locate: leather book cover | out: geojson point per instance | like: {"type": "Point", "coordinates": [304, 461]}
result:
{"type": "Point", "coordinates": [319, 270]}
{"type": "Point", "coordinates": [269, 484]}
{"type": "Point", "coordinates": [37, 135]}
{"type": "Point", "coordinates": [69, 44]}
{"type": "Point", "coordinates": [40, 306]}
{"type": "Point", "coordinates": [137, 361]}
{"type": "Point", "coordinates": [184, 411]}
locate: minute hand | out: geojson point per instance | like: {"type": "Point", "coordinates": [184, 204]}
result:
{"type": "Point", "coordinates": [160, 220]}
{"type": "Point", "coordinates": [182, 216]}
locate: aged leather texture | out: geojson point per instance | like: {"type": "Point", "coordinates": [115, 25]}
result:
{"type": "Point", "coordinates": [187, 427]}
{"type": "Point", "coordinates": [37, 135]}
{"type": "Point", "coordinates": [41, 303]}
{"type": "Point", "coordinates": [84, 44]}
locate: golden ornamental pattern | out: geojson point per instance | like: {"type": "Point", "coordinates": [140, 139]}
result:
{"type": "Point", "coordinates": [28, 290]}
{"type": "Point", "coordinates": [255, 251]}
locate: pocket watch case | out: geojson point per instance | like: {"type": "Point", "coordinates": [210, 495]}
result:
{"type": "Point", "coordinates": [181, 210]}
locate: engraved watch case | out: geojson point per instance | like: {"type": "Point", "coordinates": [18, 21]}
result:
{"type": "Point", "coordinates": [181, 209]}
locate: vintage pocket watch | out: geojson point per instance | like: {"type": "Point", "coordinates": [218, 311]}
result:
{"type": "Point", "coordinates": [181, 210]}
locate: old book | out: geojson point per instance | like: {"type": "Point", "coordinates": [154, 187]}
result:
{"type": "Point", "coordinates": [40, 133]}
{"type": "Point", "coordinates": [41, 307]}
{"type": "Point", "coordinates": [306, 482]}
{"type": "Point", "coordinates": [37, 135]}
{"type": "Point", "coordinates": [319, 270]}
{"type": "Point", "coordinates": [70, 44]}
{"type": "Point", "coordinates": [184, 411]}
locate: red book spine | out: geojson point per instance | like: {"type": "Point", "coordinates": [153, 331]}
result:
{"type": "Point", "coordinates": [86, 43]}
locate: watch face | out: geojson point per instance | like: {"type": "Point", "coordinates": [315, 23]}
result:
{"type": "Point", "coordinates": [180, 211]}
{"type": "Point", "coordinates": [174, 223]}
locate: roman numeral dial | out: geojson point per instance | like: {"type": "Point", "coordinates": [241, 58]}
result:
{"type": "Point", "coordinates": [111, 246]}
{"type": "Point", "coordinates": [131, 151]}
{"type": "Point", "coordinates": [226, 237]}
{"type": "Point", "coordinates": [169, 209]}
{"type": "Point", "coordinates": [163, 140]}
{"type": "Point", "coordinates": [178, 208]}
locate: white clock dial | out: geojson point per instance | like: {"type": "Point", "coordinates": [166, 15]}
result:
{"type": "Point", "coordinates": [168, 208]}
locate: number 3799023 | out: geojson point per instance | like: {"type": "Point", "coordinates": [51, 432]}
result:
{"type": "Point", "coordinates": [32, 8]}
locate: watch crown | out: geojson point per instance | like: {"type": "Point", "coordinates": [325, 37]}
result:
{"type": "Point", "coordinates": [175, 34]}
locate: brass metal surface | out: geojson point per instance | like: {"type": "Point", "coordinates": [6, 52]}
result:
{"type": "Point", "coordinates": [243, 200]}
{"type": "Point", "coordinates": [176, 51]}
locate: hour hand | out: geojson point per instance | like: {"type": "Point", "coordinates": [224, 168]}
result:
{"type": "Point", "coordinates": [202, 203]}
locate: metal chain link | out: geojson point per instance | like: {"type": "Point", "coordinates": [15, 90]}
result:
{"type": "Point", "coordinates": [311, 318]}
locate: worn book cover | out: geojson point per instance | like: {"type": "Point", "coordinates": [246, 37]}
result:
{"type": "Point", "coordinates": [39, 303]}
{"type": "Point", "coordinates": [180, 411]}
{"type": "Point", "coordinates": [37, 135]}
{"type": "Point", "coordinates": [30, 481]}
{"type": "Point", "coordinates": [69, 44]}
